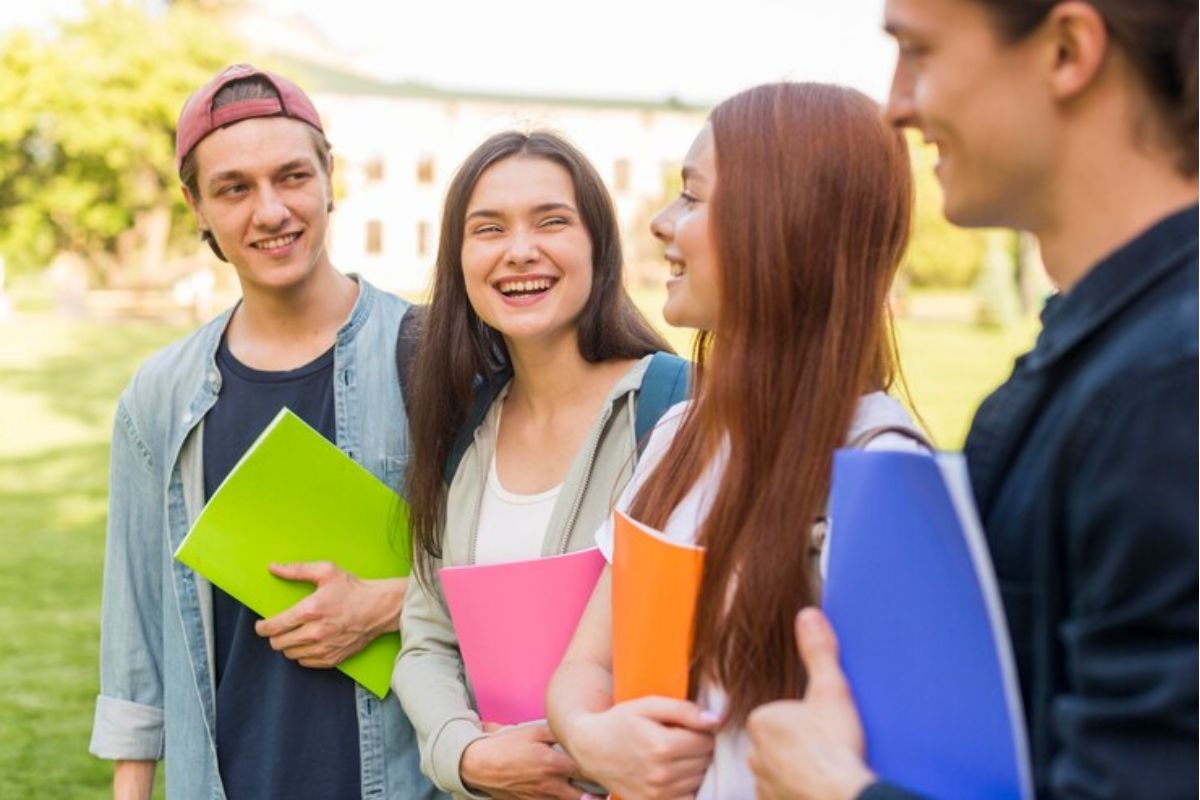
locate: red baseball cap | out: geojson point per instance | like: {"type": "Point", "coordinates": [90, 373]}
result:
{"type": "Point", "coordinates": [198, 118]}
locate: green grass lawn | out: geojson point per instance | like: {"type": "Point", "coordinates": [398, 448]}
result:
{"type": "Point", "coordinates": [58, 385]}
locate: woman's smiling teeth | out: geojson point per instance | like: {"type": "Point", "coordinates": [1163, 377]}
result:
{"type": "Point", "coordinates": [677, 268]}
{"type": "Point", "coordinates": [278, 241]}
{"type": "Point", "coordinates": [531, 286]}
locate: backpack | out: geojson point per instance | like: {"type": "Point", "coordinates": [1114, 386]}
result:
{"type": "Point", "coordinates": [664, 384]}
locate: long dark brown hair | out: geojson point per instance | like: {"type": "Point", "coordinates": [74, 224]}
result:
{"type": "Point", "coordinates": [809, 218]}
{"type": "Point", "coordinates": [458, 350]}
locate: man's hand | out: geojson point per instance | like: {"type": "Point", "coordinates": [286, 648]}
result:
{"type": "Point", "coordinates": [339, 619]}
{"type": "Point", "coordinates": [811, 748]}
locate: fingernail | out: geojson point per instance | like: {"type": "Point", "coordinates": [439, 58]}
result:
{"type": "Point", "coordinates": [711, 717]}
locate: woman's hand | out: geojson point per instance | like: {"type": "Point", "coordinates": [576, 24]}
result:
{"type": "Point", "coordinates": [651, 748]}
{"type": "Point", "coordinates": [518, 762]}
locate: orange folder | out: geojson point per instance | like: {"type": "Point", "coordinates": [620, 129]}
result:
{"type": "Point", "coordinates": [655, 583]}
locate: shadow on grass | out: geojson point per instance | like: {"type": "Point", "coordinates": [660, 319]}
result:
{"type": "Point", "coordinates": [52, 516]}
{"type": "Point", "coordinates": [82, 382]}
{"type": "Point", "coordinates": [51, 551]}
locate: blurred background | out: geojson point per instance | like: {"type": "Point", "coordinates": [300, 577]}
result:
{"type": "Point", "coordinates": [100, 263]}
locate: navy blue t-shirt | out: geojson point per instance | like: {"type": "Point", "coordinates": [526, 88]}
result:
{"type": "Point", "coordinates": [283, 730]}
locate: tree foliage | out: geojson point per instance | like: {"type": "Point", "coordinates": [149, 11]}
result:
{"type": "Point", "coordinates": [941, 254]}
{"type": "Point", "coordinates": [87, 136]}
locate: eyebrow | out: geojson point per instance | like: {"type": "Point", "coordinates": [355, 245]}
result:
{"type": "Point", "coordinates": [541, 208]}
{"type": "Point", "coordinates": [691, 173]}
{"type": "Point", "coordinates": [239, 175]}
{"type": "Point", "coordinates": [227, 175]}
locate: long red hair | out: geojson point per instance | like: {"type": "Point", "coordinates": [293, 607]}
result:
{"type": "Point", "coordinates": [809, 219]}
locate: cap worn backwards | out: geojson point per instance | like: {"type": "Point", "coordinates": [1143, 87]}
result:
{"type": "Point", "coordinates": [198, 118]}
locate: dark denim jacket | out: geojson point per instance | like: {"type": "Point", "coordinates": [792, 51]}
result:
{"type": "Point", "coordinates": [1084, 466]}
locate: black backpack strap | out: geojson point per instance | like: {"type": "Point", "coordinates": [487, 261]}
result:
{"type": "Point", "coordinates": [407, 338]}
{"type": "Point", "coordinates": [486, 393]}
{"type": "Point", "coordinates": [666, 382]}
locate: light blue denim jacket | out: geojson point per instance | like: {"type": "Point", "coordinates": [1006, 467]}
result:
{"type": "Point", "coordinates": [156, 643]}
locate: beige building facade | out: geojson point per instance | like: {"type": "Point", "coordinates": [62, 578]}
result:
{"type": "Point", "coordinates": [397, 146]}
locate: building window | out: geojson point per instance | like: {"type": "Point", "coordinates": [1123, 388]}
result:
{"type": "Point", "coordinates": [621, 173]}
{"type": "Point", "coordinates": [422, 238]}
{"type": "Point", "coordinates": [374, 237]}
{"type": "Point", "coordinates": [375, 170]}
{"type": "Point", "coordinates": [425, 170]}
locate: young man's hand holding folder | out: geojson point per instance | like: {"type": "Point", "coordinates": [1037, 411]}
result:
{"type": "Point", "coordinates": [294, 498]}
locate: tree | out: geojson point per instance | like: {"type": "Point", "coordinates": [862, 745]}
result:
{"type": "Point", "coordinates": [941, 254]}
{"type": "Point", "coordinates": [87, 137]}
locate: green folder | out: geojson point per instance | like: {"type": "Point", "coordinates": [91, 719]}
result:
{"type": "Point", "coordinates": [294, 496]}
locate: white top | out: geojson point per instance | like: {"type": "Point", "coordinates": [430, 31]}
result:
{"type": "Point", "coordinates": [511, 526]}
{"type": "Point", "coordinates": [729, 776]}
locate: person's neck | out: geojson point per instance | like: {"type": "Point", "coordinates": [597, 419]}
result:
{"type": "Point", "coordinates": [1100, 223]}
{"type": "Point", "coordinates": [549, 376]}
{"type": "Point", "coordinates": [281, 329]}
{"type": "Point", "coordinates": [1105, 190]}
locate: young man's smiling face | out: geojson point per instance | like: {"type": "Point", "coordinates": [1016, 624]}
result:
{"type": "Point", "coordinates": [982, 100]}
{"type": "Point", "coordinates": [264, 194]}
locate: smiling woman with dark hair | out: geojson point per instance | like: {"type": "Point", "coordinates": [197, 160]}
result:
{"type": "Point", "coordinates": [529, 315]}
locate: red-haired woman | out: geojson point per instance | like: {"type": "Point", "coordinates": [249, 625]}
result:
{"type": "Point", "coordinates": [783, 243]}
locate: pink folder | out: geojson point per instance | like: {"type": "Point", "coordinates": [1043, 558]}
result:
{"type": "Point", "coordinates": [514, 622]}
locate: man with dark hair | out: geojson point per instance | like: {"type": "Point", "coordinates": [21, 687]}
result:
{"type": "Point", "coordinates": [1076, 120]}
{"type": "Point", "coordinates": [241, 707]}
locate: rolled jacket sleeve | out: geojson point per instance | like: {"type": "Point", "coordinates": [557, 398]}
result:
{"type": "Point", "coordinates": [128, 721]}
{"type": "Point", "coordinates": [430, 680]}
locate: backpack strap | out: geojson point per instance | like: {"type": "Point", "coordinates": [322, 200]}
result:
{"type": "Point", "coordinates": [486, 393]}
{"type": "Point", "coordinates": [407, 338]}
{"type": "Point", "coordinates": [820, 531]}
{"type": "Point", "coordinates": [869, 435]}
{"type": "Point", "coordinates": [666, 382]}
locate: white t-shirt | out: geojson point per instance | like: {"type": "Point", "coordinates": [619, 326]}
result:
{"type": "Point", "coordinates": [729, 776]}
{"type": "Point", "coordinates": [512, 527]}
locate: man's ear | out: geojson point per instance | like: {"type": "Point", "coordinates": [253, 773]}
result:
{"type": "Point", "coordinates": [194, 205]}
{"type": "Point", "coordinates": [1081, 42]}
{"type": "Point", "coordinates": [329, 180]}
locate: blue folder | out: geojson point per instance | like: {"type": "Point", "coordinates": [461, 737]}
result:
{"type": "Point", "coordinates": [911, 593]}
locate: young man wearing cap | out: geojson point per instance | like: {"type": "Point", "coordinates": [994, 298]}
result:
{"type": "Point", "coordinates": [241, 707]}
